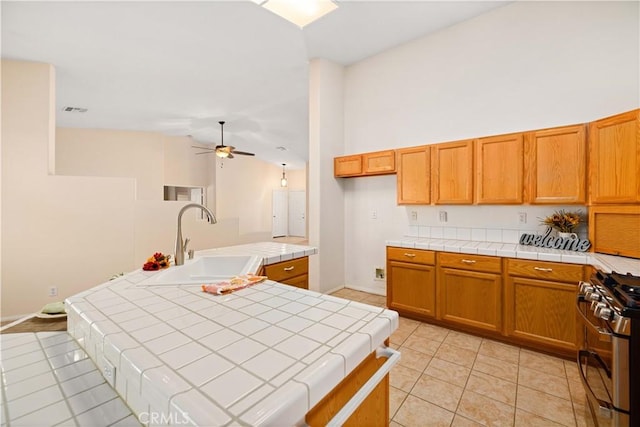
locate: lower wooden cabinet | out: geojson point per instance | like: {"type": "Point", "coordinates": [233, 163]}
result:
{"type": "Point", "coordinates": [540, 302]}
{"type": "Point", "coordinates": [470, 291]}
{"type": "Point", "coordinates": [411, 281]}
{"type": "Point", "coordinates": [524, 302]}
{"type": "Point", "coordinates": [294, 272]}
{"type": "Point", "coordinates": [374, 410]}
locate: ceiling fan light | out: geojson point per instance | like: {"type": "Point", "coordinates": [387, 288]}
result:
{"type": "Point", "coordinates": [300, 12]}
{"type": "Point", "coordinates": [222, 154]}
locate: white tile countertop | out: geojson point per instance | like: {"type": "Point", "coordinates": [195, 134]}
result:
{"type": "Point", "coordinates": [48, 380]}
{"type": "Point", "coordinates": [263, 355]}
{"type": "Point", "coordinates": [606, 263]}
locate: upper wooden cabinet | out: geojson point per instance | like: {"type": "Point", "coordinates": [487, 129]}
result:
{"type": "Point", "coordinates": [614, 159]}
{"type": "Point", "coordinates": [374, 163]}
{"type": "Point", "coordinates": [414, 170]}
{"type": "Point", "coordinates": [452, 172]}
{"type": "Point", "coordinates": [499, 169]}
{"type": "Point", "coordinates": [347, 166]}
{"type": "Point", "coordinates": [555, 165]}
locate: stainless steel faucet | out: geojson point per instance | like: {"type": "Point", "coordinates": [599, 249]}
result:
{"type": "Point", "coordinates": [181, 244]}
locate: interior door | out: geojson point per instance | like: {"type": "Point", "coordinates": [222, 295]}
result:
{"type": "Point", "coordinates": [279, 223]}
{"type": "Point", "coordinates": [297, 213]}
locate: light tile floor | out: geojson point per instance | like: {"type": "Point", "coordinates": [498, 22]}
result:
{"type": "Point", "coordinates": [448, 378]}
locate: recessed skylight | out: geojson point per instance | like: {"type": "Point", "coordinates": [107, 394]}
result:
{"type": "Point", "coordinates": [300, 12]}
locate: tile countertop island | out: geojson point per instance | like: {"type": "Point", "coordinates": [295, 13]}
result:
{"type": "Point", "coordinates": [606, 263]}
{"type": "Point", "coordinates": [263, 355]}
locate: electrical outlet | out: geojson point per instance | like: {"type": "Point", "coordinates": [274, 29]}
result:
{"type": "Point", "coordinates": [522, 217]}
{"type": "Point", "coordinates": [443, 216]}
{"type": "Point", "coordinates": [53, 291]}
{"type": "Point", "coordinates": [414, 216]}
{"type": "Point", "coordinates": [108, 371]}
{"type": "Point", "coordinates": [379, 273]}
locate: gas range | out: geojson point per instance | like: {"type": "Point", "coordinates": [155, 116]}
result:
{"type": "Point", "coordinates": [609, 305]}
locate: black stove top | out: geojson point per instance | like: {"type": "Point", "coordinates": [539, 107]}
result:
{"type": "Point", "coordinates": [625, 287]}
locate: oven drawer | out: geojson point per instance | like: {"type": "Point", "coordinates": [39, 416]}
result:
{"type": "Point", "coordinates": [557, 272]}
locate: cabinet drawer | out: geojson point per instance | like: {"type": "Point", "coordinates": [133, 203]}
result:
{"type": "Point", "coordinates": [287, 269]}
{"type": "Point", "coordinates": [572, 273]}
{"type": "Point", "coordinates": [470, 262]}
{"type": "Point", "coordinates": [417, 256]}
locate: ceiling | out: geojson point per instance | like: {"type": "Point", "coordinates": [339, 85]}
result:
{"type": "Point", "coordinates": [180, 67]}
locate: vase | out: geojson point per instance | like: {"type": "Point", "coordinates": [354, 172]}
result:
{"type": "Point", "coordinates": [570, 236]}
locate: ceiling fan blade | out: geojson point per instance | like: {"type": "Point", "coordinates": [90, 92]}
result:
{"type": "Point", "coordinates": [230, 156]}
{"type": "Point", "coordinates": [243, 153]}
{"type": "Point", "coordinates": [202, 148]}
{"type": "Point", "coordinates": [206, 152]}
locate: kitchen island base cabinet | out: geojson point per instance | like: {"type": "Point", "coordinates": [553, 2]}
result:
{"type": "Point", "coordinates": [373, 412]}
{"type": "Point", "coordinates": [294, 272]}
{"type": "Point", "coordinates": [411, 281]}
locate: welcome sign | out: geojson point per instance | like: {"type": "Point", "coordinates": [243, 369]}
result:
{"type": "Point", "coordinates": [555, 242]}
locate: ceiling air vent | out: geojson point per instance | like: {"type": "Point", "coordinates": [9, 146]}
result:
{"type": "Point", "coordinates": [74, 109]}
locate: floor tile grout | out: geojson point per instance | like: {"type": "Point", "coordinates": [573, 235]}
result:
{"type": "Point", "coordinates": [517, 416]}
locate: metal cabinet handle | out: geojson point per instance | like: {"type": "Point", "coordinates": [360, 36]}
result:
{"type": "Point", "coordinates": [409, 255]}
{"type": "Point", "coordinates": [468, 261]}
{"type": "Point", "coordinates": [289, 268]}
{"type": "Point", "coordinates": [546, 270]}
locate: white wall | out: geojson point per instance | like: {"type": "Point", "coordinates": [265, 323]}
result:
{"type": "Point", "coordinates": [326, 198]}
{"type": "Point", "coordinates": [527, 65]}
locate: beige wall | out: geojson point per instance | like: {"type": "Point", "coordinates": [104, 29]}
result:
{"type": "Point", "coordinates": [68, 232]}
{"type": "Point", "coordinates": [74, 230]}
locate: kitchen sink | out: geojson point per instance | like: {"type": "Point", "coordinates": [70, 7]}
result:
{"type": "Point", "coordinates": [206, 269]}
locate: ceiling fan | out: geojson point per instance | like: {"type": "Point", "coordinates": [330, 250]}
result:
{"type": "Point", "coordinates": [223, 151]}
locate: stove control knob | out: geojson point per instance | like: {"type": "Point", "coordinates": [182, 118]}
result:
{"type": "Point", "coordinates": [585, 288]}
{"type": "Point", "coordinates": [593, 297]}
{"type": "Point", "coordinates": [604, 313]}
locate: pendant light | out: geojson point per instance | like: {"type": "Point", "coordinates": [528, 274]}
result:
{"type": "Point", "coordinates": [283, 181]}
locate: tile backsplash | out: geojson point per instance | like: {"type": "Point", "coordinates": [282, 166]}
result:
{"type": "Point", "coordinates": [499, 224]}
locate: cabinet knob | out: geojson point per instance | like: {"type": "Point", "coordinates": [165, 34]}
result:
{"type": "Point", "coordinates": [409, 255]}
{"type": "Point", "coordinates": [289, 268]}
{"type": "Point", "coordinates": [546, 270]}
{"type": "Point", "coordinates": [468, 261]}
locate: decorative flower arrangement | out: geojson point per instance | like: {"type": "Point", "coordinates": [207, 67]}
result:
{"type": "Point", "coordinates": [564, 222]}
{"type": "Point", "coordinates": [157, 261]}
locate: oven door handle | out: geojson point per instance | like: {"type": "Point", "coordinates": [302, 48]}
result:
{"type": "Point", "coordinates": [605, 408]}
{"type": "Point", "coordinates": [603, 334]}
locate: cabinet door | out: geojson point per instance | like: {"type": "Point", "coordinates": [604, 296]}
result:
{"type": "Point", "coordinates": [542, 312]}
{"type": "Point", "coordinates": [499, 169]}
{"type": "Point", "coordinates": [380, 162]}
{"type": "Point", "coordinates": [414, 171]}
{"type": "Point", "coordinates": [347, 166]}
{"type": "Point", "coordinates": [470, 298]}
{"type": "Point", "coordinates": [614, 159]}
{"type": "Point", "coordinates": [452, 172]}
{"type": "Point", "coordinates": [411, 288]}
{"type": "Point", "coordinates": [555, 165]}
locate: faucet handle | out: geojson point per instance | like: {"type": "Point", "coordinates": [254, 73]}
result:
{"type": "Point", "coordinates": [186, 242]}
{"type": "Point", "coordinates": [191, 253]}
